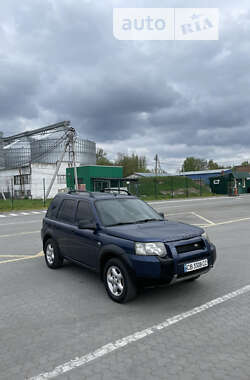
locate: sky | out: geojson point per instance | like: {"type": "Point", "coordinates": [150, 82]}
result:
{"type": "Point", "coordinates": [60, 61]}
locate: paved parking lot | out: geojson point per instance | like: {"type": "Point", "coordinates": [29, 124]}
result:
{"type": "Point", "coordinates": [62, 321]}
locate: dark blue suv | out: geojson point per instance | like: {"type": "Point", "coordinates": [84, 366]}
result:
{"type": "Point", "coordinates": [125, 240]}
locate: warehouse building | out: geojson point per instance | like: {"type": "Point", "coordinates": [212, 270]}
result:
{"type": "Point", "coordinates": [28, 165]}
{"type": "Point", "coordinates": [205, 175]}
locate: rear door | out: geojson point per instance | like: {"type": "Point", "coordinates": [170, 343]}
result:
{"type": "Point", "coordinates": [64, 228]}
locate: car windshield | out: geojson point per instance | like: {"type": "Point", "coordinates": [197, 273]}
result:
{"type": "Point", "coordinates": [113, 212]}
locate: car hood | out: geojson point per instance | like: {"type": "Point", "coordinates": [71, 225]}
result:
{"type": "Point", "coordinates": [165, 231]}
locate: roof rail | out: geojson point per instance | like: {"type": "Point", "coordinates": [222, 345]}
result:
{"type": "Point", "coordinates": [90, 193]}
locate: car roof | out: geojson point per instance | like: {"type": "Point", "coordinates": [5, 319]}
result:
{"type": "Point", "coordinates": [91, 195]}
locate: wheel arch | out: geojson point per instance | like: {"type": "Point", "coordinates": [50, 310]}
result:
{"type": "Point", "coordinates": [110, 252]}
{"type": "Point", "coordinates": [45, 239]}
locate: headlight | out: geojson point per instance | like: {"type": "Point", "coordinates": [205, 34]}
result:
{"type": "Point", "coordinates": [205, 236]}
{"type": "Point", "coordinates": [150, 249]}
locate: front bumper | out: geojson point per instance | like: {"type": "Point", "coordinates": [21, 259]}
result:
{"type": "Point", "coordinates": [152, 269]}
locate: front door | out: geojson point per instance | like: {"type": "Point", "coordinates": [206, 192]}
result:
{"type": "Point", "coordinates": [86, 241]}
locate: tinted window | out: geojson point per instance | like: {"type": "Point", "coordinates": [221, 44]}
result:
{"type": "Point", "coordinates": [84, 212]}
{"type": "Point", "coordinates": [67, 211]}
{"type": "Point", "coordinates": [53, 208]}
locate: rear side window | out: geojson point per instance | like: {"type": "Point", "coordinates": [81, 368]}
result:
{"type": "Point", "coordinates": [84, 212]}
{"type": "Point", "coordinates": [53, 208]}
{"type": "Point", "coordinates": [67, 211]}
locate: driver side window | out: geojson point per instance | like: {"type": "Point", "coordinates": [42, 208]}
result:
{"type": "Point", "coordinates": [84, 212]}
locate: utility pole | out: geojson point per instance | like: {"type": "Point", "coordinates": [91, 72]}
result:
{"type": "Point", "coordinates": [72, 155]}
{"type": "Point", "coordinates": [156, 164]}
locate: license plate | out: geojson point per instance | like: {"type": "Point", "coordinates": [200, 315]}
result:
{"type": "Point", "coordinates": [195, 265]}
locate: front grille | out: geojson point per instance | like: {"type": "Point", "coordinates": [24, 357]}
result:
{"type": "Point", "coordinates": [196, 246]}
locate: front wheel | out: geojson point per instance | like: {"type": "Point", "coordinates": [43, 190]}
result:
{"type": "Point", "coordinates": [53, 258]}
{"type": "Point", "coordinates": [118, 281]}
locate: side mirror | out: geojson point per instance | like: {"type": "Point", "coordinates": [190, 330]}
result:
{"type": "Point", "coordinates": [162, 214]}
{"type": "Point", "coordinates": [86, 225]}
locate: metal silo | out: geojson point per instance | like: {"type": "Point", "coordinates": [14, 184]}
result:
{"type": "Point", "coordinates": [85, 152]}
{"type": "Point", "coordinates": [46, 150]}
{"type": "Point", "coordinates": [17, 154]}
{"type": "Point", "coordinates": [49, 151]}
{"type": "Point", "coordinates": [1, 152]}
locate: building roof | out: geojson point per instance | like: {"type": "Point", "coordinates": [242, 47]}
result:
{"type": "Point", "coordinates": [203, 172]}
{"type": "Point", "coordinates": [147, 175]}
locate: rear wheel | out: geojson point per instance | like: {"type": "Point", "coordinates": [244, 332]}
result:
{"type": "Point", "coordinates": [53, 258]}
{"type": "Point", "coordinates": [118, 281]}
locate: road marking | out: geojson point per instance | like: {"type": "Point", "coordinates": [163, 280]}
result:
{"type": "Point", "coordinates": [22, 213]}
{"type": "Point", "coordinates": [14, 256]}
{"type": "Point", "coordinates": [193, 200]}
{"type": "Point", "coordinates": [15, 223]}
{"type": "Point", "coordinates": [39, 254]}
{"type": "Point", "coordinates": [110, 347]}
{"type": "Point", "coordinates": [229, 222]}
{"type": "Point", "coordinates": [20, 234]}
{"type": "Point", "coordinates": [202, 217]}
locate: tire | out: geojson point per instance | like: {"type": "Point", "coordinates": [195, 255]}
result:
{"type": "Point", "coordinates": [118, 281]}
{"type": "Point", "coordinates": [53, 258]}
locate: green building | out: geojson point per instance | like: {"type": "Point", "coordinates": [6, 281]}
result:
{"type": "Point", "coordinates": [231, 184]}
{"type": "Point", "coordinates": [95, 177]}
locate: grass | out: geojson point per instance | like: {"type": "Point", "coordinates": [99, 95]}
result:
{"type": "Point", "coordinates": [169, 187]}
{"type": "Point", "coordinates": [23, 204]}
{"type": "Point", "coordinates": [149, 189]}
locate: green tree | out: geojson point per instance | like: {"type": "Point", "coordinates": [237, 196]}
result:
{"type": "Point", "coordinates": [131, 164]}
{"type": "Point", "coordinates": [101, 157]}
{"type": "Point", "coordinates": [244, 163]}
{"type": "Point", "coordinates": [193, 164]}
{"type": "Point", "coordinates": [211, 165]}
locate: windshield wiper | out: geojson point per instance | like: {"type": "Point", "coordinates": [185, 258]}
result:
{"type": "Point", "coordinates": [149, 220]}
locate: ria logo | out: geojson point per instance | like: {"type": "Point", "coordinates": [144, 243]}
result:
{"type": "Point", "coordinates": [198, 24]}
{"type": "Point", "coordinates": [166, 23]}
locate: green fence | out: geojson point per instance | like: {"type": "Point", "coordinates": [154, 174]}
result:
{"type": "Point", "coordinates": [168, 188]}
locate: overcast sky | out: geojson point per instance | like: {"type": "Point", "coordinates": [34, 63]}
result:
{"type": "Point", "coordinates": [60, 61]}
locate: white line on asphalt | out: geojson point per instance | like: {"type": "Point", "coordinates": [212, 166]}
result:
{"type": "Point", "coordinates": [110, 347]}
{"type": "Point", "coordinates": [202, 217]}
{"type": "Point", "coordinates": [192, 200]}
{"type": "Point", "coordinates": [13, 214]}
{"type": "Point", "coordinates": [20, 234]}
{"type": "Point", "coordinates": [2, 216]}
{"type": "Point", "coordinates": [229, 222]}
{"type": "Point", "coordinates": [28, 222]}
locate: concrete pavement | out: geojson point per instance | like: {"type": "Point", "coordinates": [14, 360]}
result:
{"type": "Point", "coordinates": [50, 317]}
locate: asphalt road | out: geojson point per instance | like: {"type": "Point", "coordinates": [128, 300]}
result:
{"type": "Point", "coordinates": [49, 318]}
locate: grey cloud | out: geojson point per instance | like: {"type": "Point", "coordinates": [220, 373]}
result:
{"type": "Point", "coordinates": [59, 60]}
